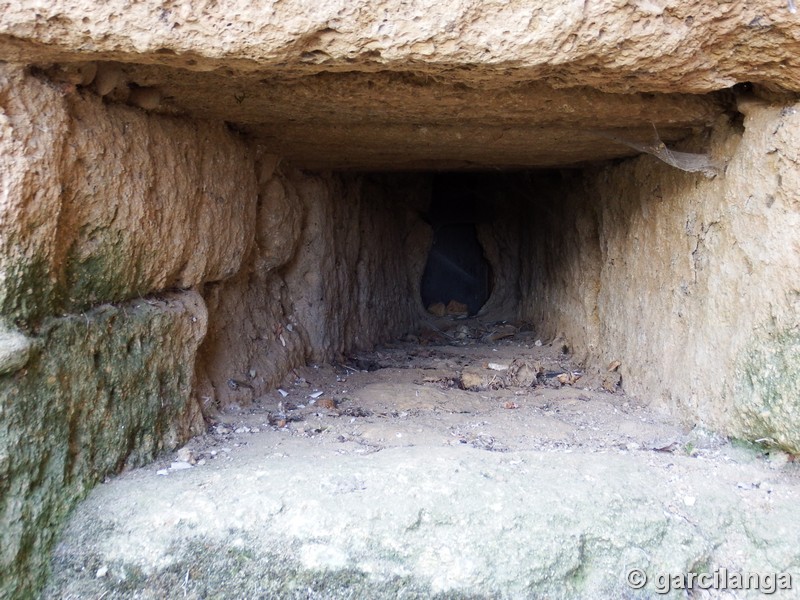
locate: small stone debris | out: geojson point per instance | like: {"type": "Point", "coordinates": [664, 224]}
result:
{"type": "Point", "coordinates": [315, 395]}
{"type": "Point", "coordinates": [283, 392]}
{"type": "Point", "coordinates": [174, 466]}
{"type": "Point", "coordinates": [497, 366]}
{"type": "Point", "coordinates": [328, 403]}
{"type": "Point", "coordinates": [462, 332]}
{"type": "Point", "coordinates": [523, 373]}
{"type": "Point", "coordinates": [477, 379]}
{"type": "Point", "coordinates": [510, 405]}
{"type": "Point", "coordinates": [101, 572]}
{"type": "Point", "coordinates": [568, 378]}
{"type": "Point", "coordinates": [500, 332]}
{"type": "Point", "coordinates": [611, 381]}
{"type": "Point", "coordinates": [438, 309]}
{"type": "Point", "coordinates": [185, 455]}
{"type": "Point", "coordinates": [457, 309]}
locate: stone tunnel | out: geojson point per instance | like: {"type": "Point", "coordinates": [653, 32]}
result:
{"type": "Point", "coordinates": [196, 198]}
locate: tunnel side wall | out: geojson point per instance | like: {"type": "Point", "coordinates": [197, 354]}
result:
{"type": "Point", "coordinates": [336, 267]}
{"type": "Point", "coordinates": [691, 283]}
{"type": "Point", "coordinates": [108, 217]}
{"type": "Point", "coordinates": [125, 238]}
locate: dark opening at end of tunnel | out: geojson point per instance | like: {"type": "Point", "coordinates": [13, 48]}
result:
{"type": "Point", "coordinates": [457, 268]}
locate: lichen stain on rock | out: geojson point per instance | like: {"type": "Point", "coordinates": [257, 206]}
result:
{"type": "Point", "coordinates": [767, 389]}
{"type": "Point", "coordinates": [106, 389]}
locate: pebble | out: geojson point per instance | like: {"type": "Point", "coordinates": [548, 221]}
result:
{"type": "Point", "coordinates": [101, 572]}
{"type": "Point", "coordinates": [497, 366]}
{"type": "Point", "coordinates": [179, 466]}
{"type": "Point", "coordinates": [184, 455]}
{"type": "Point", "coordinates": [778, 459]}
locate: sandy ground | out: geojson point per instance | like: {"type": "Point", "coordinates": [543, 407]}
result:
{"type": "Point", "coordinates": [469, 461]}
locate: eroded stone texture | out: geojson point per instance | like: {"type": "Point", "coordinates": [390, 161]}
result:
{"type": "Point", "coordinates": [399, 86]}
{"type": "Point", "coordinates": [332, 272]}
{"type": "Point", "coordinates": [101, 203]}
{"type": "Point", "coordinates": [624, 45]}
{"type": "Point", "coordinates": [691, 283]}
{"type": "Point", "coordinates": [408, 121]}
{"type": "Point", "coordinates": [103, 390]}
{"type": "Point", "coordinates": [105, 203]}
{"type": "Point", "coordinates": [431, 522]}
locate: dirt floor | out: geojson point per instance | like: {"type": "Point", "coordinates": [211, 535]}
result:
{"type": "Point", "coordinates": [468, 461]}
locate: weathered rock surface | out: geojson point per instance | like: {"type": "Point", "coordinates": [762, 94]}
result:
{"type": "Point", "coordinates": [102, 390]}
{"type": "Point", "coordinates": [140, 145]}
{"type": "Point", "coordinates": [430, 85]}
{"type": "Point", "coordinates": [330, 274]}
{"type": "Point", "coordinates": [423, 522]}
{"type": "Point", "coordinates": [691, 283]}
{"type": "Point", "coordinates": [623, 46]}
{"type": "Point", "coordinates": [105, 203]}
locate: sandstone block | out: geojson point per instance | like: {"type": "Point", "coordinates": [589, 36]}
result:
{"type": "Point", "coordinates": [108, 389]}
{"type": "Point", "coordinates": [105, 203]}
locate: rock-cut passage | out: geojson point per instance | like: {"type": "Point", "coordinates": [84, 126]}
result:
{"type": "Point", "coordinates": [146, 295]}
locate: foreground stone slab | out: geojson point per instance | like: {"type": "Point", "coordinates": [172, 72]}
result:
{"type": "Point", "coordinates": [423, 522]}
{"type": "Point", "coordinates": [396, 483]}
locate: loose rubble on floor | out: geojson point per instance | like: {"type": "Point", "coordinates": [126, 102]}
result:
{"type": "Point", "coordinates": [470, 460]}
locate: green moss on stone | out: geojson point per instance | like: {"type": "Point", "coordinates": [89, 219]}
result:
{"type": "Point", "coordinates": [33, 291]}
{"type": "Point", "coordinates": [27, 293]}
{"type": "Point", "coordinates": [104, 391]}
{"type": "Point", "coordinates": [207, 568]}
{"type": "Point", "coordinates": [106, 276]}
{"type": "Point", "coordinates": [767, 389]}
